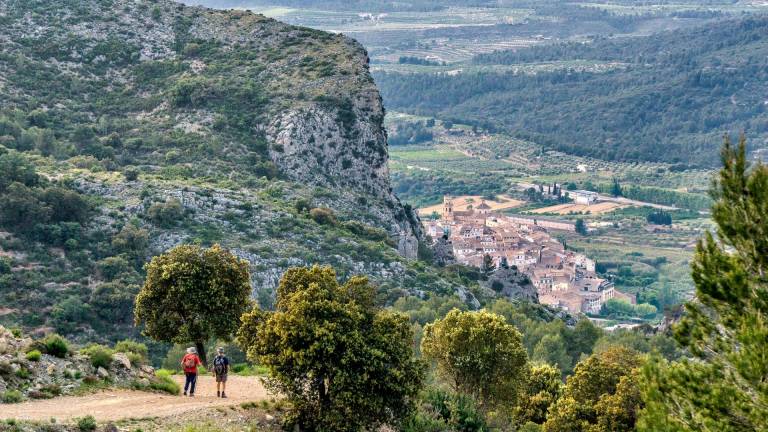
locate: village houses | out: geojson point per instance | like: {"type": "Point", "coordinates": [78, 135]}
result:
{"type": "Point", "coordinates": [562, 278]}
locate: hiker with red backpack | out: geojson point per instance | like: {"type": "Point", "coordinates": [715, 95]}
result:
{"type": "Point", "coordinates": [189, 363]}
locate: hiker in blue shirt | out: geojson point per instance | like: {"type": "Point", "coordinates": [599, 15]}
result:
{"type": "Point", "coordinates": [220, 371]}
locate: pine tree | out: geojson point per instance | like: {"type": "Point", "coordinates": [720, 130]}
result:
{"type": "Point", "coordinates": [724, 387]}
{"type": "Point", "coordinates": [616, 188]}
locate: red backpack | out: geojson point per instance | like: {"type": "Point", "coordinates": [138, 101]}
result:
{"type": "Point", "coordinates": [190, 362]}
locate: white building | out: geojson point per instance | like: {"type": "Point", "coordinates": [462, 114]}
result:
{"type": "Point", "coordinates": [583, 197]}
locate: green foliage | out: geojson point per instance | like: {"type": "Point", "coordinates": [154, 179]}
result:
{"type": "Point", "coordinates": [552, 350]}
{"type": "Point", "coordinates": [622, 308]}
{"type": "Point", "coordinates": [193, 294]}
{"type": "Point", "coordinates": [164, 382]}
{"type": "Point", "coordinates": [441, 411]}
{"type": "Point", "coordinates": [131, 239]}
{"type": "Point", "coordinates": [542, 388]}
{"type": "Point", "coordinates": [86, 424]}
{"type": "Point", "coordinates": [11, 396]}
{"type": "Point", "coordinates": [726, 329]}
{"type": "Point", "coordinates": [581, 227]}
{"type": "Point", "coordinates": [331, 353]}
{"type": "Point", "coordinates": [99, 355]}
{"type": "Point", "coordinates": [601, 382]}
{"type": "Point", "coordinates": [323, 216]}
{"type": "Point", "coordinates": [676, 78]}
{"type": "Point", "coordinates": [137, 352]}
{"type": "Point", "coordinates": [166, 214]}
{"type": "Point", "coordinates": [34, 355]}
{"type": "Point", "coordinates": [478, 354]}
{"type": "Point", "coordinates": [15, 168]}
{"type": "Point", "coordinates": [54, 345]}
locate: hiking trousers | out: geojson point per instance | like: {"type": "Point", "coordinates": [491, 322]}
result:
{"type": "Point", "coordinates": [190, 382]}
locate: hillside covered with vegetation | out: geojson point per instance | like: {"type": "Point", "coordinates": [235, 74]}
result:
{"type": "Point", "coordinates": [677, 91]}
{"type": "Point", "coordinates": [127, 128]}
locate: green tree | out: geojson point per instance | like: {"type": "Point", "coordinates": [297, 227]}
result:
{"type": "Point", "coordinates": [343, 363]}
{"type": "Point", "coordinates": [725, 329]}
{"type": "Point", "coordinates": [542, 388]}
{"type": "Point", "coordinates": [193, 294]}
{"type": "Point", "coordinates": [594, 380]}
{"type": "Point", "coordinates": [488, 265]}
{"type": "Point", "coordinates": [15, 168]}
{"type": "Point", "coordinates": [581, 227]}
{"type": "Point", "coordinates": [616, 188]}
{"type": "Point", "coordinates": [21, 208]}
{"type": "Point", "coordinates": [551, 349]}
{"type": "Point", "coordinates": [478, 354]}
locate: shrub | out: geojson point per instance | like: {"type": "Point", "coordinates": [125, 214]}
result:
{"type": "Point", "coordinates": [5, 265]}
{"type": "Point", "coordinates": [34, 355]}
{"type": "Point", "coordinates": [131, 174]}
{"type": "Point", "coordinates": [23, 373]}
{"type": "Point", "coordinates": [137, 352]}
{"type": "Point", "coordinates": [100, 355]}
{"type": "Point", "coordinates": [166, 214]}
{"type": "Point", "coordinates": [55, 345]}
{"type": "Point", "coordinates": [86, 424]}
{"type": "Point", "coordinates": [164, 382]}
{"type": "Point", "coordinates": [323, 216]}
{"type": "Point", "coordinates": [11, 396]}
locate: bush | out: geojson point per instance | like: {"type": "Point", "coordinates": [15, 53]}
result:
{"type": "Point", "coordinates": [137, 352]}
{"type": "Point", "coordinates": [5, 265]}
{"type": "Point", "coordinates": [131, 174]}
{"type": "Point", "coordinates": [86, 424]}
{"type": "Point", "coordinates": [100, 355]}
{"type": "Point", "coordinates": [11, 396]}
{"type": "Point", "coordinates": [323, 216]}
{"type": "Point", "coordinates": [166, 214]}
{"type": "Point", "coordinates": [34, 355]}
{"type": "Point", "coordinates": [164, 382]}
{"type": "Point", "coordinates": [55, 345]}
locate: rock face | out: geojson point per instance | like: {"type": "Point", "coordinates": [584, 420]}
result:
{"type": "Point", "coordinates": [512, 284]}
{"type": "Point", "coordinates": [237, 93]}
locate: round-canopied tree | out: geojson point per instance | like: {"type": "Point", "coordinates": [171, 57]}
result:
{"type": "Point", "coordinates": [601, 395]}
{"type": "Point", "coordinates": [344, 364]}
{"type": "Point", "coordinates": [193, 294]}
{"type": "Point", "coordinates": [479, 355]}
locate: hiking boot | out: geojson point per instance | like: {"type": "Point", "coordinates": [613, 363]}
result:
{"type": "Point", "coordinates": [223, 395]}
{"type": "Point", "coordinates": [191, 395]}
{"type": "Point", "coordinates": [185, 392]}
{"type": "Point", "coordinates": [218, 394]}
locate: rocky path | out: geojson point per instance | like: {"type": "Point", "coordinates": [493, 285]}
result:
{"type": "Point", "coordinates": [115, 405]}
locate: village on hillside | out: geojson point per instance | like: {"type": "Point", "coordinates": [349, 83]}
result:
{"type": "Point", "coordinates": [480, 236]}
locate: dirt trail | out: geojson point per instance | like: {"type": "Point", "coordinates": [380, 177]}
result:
{"type": "Point", "coordinates": [126, 404]}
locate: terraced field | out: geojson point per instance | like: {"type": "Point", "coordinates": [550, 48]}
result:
{"type": "Point", "coordinates": [572, 208]}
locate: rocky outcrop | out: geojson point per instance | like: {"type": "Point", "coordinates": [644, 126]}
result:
{"type": "Point", "coordinates": [512, 284]}
{"type": "Point", "coordinates": [49, 376]}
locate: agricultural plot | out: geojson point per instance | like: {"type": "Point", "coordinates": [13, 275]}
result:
{"type": "Point", "coordinates": [463, 203]}
{"type": "Point", "coordinates": [468, 68]}
{"type": "Point", "coordinates": [572, 208]}
{"type": "Point", "coordinates": [681, 6]}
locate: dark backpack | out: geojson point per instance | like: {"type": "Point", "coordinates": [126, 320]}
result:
{"type": "Point", "coordinates": [219, 365]}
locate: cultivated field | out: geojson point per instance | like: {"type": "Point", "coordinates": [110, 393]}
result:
{"type": "Point", "coordinates": [572, 208]}
{"type": "Point", "coordinates": [463, 203]}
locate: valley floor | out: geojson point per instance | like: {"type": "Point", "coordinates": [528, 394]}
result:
{"type": "Point", "coordinates": [116, 405]}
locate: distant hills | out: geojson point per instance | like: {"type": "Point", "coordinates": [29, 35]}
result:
{"type": "Point", "coordinates": [672, 98]}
